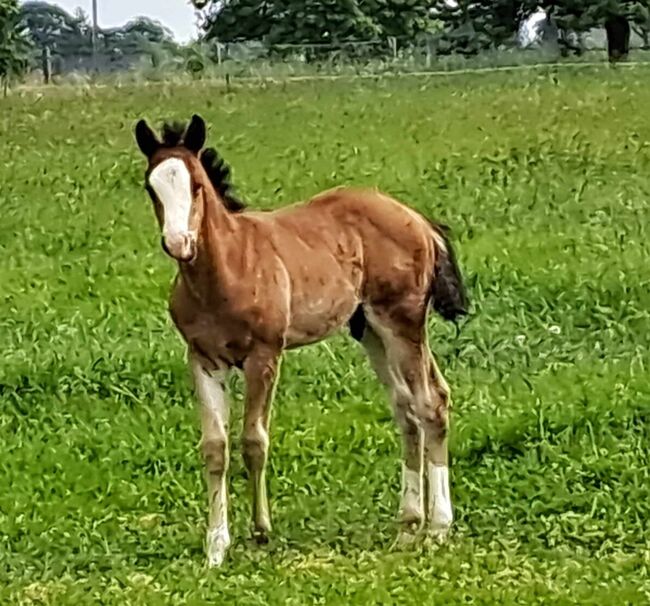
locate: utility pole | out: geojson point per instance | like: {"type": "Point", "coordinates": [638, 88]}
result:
{"type": "Point", "coordinates": [94, 35]}
{"type": "Point", "coordinates": [46, 64]}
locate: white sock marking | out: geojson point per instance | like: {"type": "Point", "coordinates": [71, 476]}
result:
{"type": "Point", "coordinates": [217, 543]}
{"type": "Point", "coordinates": [214, 419]}
{"type": "Point", "coordinates": [211, 394]}
{"type": "Point", "coordinates": [412, 491]}
{"type": "Point", "coordinates": [441, 515]}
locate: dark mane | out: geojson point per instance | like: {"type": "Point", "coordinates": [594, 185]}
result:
{"type": "Point", "coordinates": [214, 165]}
{"type": "Point", "coordinates": [219, 174]}
{"type": "Point", "coordinates": [172, 134]}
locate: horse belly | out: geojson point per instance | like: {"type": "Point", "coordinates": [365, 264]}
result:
{"type": "Point", "coordinates": [325, 271]}
{"type": "Point", "coordinates": [320, 312]}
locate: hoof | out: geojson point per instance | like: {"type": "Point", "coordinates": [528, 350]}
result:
{"type": "Point", "coordinates": [262, 530]}
{"type": "Point", "coordinates": [411, 517]}
{"type": "Point", "coordinates": [406, 537]}
{"type": "Point", "coordinates": [439, 532]}
{"type": "Point", "coordinates": [217, 543]}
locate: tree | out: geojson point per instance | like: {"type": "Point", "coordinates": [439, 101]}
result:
{"type": "Point", "coordinates": [51, 26]}
{"type": "Point", "coordinates": [14, 46]}
{"type": "Point", "coordinates": [618, 37]}
{"type": "Point", "coordinates": [136, 36]}
{"type": "Point", "coordinates": [70, 36]}
{"type": "Point", "coordinates": [55, 34]}
{"type": "Point", "coordinates": [641, 22]}
{"type": "Point", "coordinates": [312, 21]}
{"type": "Point", "coordinates": [614, 15]}
{"type": "Point", "coordinates": [473, 25]}
{"type": "Point", "coordinates": [286, 22]}
{"type": "Point", "coordinates": [139, 30]}
{"type": "Point", "coordinates": [402, 18]}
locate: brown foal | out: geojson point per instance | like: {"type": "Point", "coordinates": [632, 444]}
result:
{"type": "Point", "coordinates": [252, 284]}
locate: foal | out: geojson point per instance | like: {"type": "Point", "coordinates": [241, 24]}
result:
{"type": "Point", "coordinates": [252, 284]}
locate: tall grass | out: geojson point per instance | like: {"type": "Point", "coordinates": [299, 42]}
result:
{"type": "Point", "coordinates": [544, 179]}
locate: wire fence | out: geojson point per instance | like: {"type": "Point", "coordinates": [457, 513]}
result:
{"type": "Point", "coordinates": [390, 56]}
{"type": "Point", "coordinates": [378, 57]}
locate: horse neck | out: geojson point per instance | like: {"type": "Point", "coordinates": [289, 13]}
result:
{"type": "Point", "coordinates": [218, 232]}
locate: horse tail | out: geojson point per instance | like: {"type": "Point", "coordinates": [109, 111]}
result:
{"type": "Point", "coordinates": [448, 295]}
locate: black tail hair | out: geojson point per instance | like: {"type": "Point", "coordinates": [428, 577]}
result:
{"type": "Point", "coordinates": [448, 295]}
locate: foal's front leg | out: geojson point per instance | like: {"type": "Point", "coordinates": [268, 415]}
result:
{"type": "Point", "coordinates": [214, 411]}
{"type": "Point", "coordinates": [260, 372]}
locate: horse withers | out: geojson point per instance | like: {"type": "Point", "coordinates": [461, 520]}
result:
{"type": "Point", "coordinates": [253, 284]}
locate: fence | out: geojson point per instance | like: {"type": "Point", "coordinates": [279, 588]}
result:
{"type": "Point", "coordinates": [369, 57]}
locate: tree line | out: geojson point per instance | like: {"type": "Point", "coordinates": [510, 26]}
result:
{"type": "Point", "coordinates": [35, 32]}
{"type": "Point", "coordinates": [465, 26]}
{"type": "Point", "coordinates": [30, 31]}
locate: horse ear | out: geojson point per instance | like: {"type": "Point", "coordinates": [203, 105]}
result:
{"type": "Point", "coordinates": [146, 138]}
{"type": "Point", "coordinates": [195, 134]}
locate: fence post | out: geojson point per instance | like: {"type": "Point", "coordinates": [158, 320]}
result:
{"type": "Point", "coordinates": [46, 64]}
{"type": "Point", "coordinates": [392, 43]}
{"type": "Point", "coordinates": [219, 58]}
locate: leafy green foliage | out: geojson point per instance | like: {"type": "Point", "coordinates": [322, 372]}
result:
{"type": "Point", "coordinates": [14, 47]}
{"type": "Point", "coordinates": [472, 25]}
{"type": "Point", "coordinates": [136, 35]}
{"type": "Point", "coordinates": [544, 180]}
{"type": "Point", "coordinates": [614, 15]}
{"type": "Point", "coordinates": [640, 17]}
{"type": "Point", "coordinates": [313, 21]}
{"type": "Point", "coordinates": [580, 15]}
{"type": "Point", "coordinates": [50, 25]}
{"type": "Point", "coordinates": [69, 36]}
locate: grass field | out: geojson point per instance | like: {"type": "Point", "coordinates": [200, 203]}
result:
{"type": "Point", "coordinates": [546, 181]}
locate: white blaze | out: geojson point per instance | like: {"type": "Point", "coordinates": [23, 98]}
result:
{"type": "Point", "coordinates": [173, 186]}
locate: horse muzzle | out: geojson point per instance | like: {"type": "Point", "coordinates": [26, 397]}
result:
{"type": "Point", "coordinates": [181, 246]}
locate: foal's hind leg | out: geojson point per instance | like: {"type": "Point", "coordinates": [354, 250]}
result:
{"type": "Point", "coordinates": [421, 397]}
{"type": "Point", "coordinates": [411, 511]}
{"type": "Point", "coordinates": [436, 428]}
{"type": "Point", "coordinates": [260, 371]}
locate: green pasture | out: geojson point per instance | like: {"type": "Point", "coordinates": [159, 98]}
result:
{"type": "Point", "coordinates": [545, 179]}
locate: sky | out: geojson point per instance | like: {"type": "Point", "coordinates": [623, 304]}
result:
{"type": "Point", "coordinates": [528, 29]}
{"type": "Point", "coordinates": [177, 15]}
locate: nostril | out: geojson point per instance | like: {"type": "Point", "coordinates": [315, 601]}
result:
{"type": "Point", "coordinates": [181, 246]}
{"type": "Point", "coordinates": [190, 246]}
